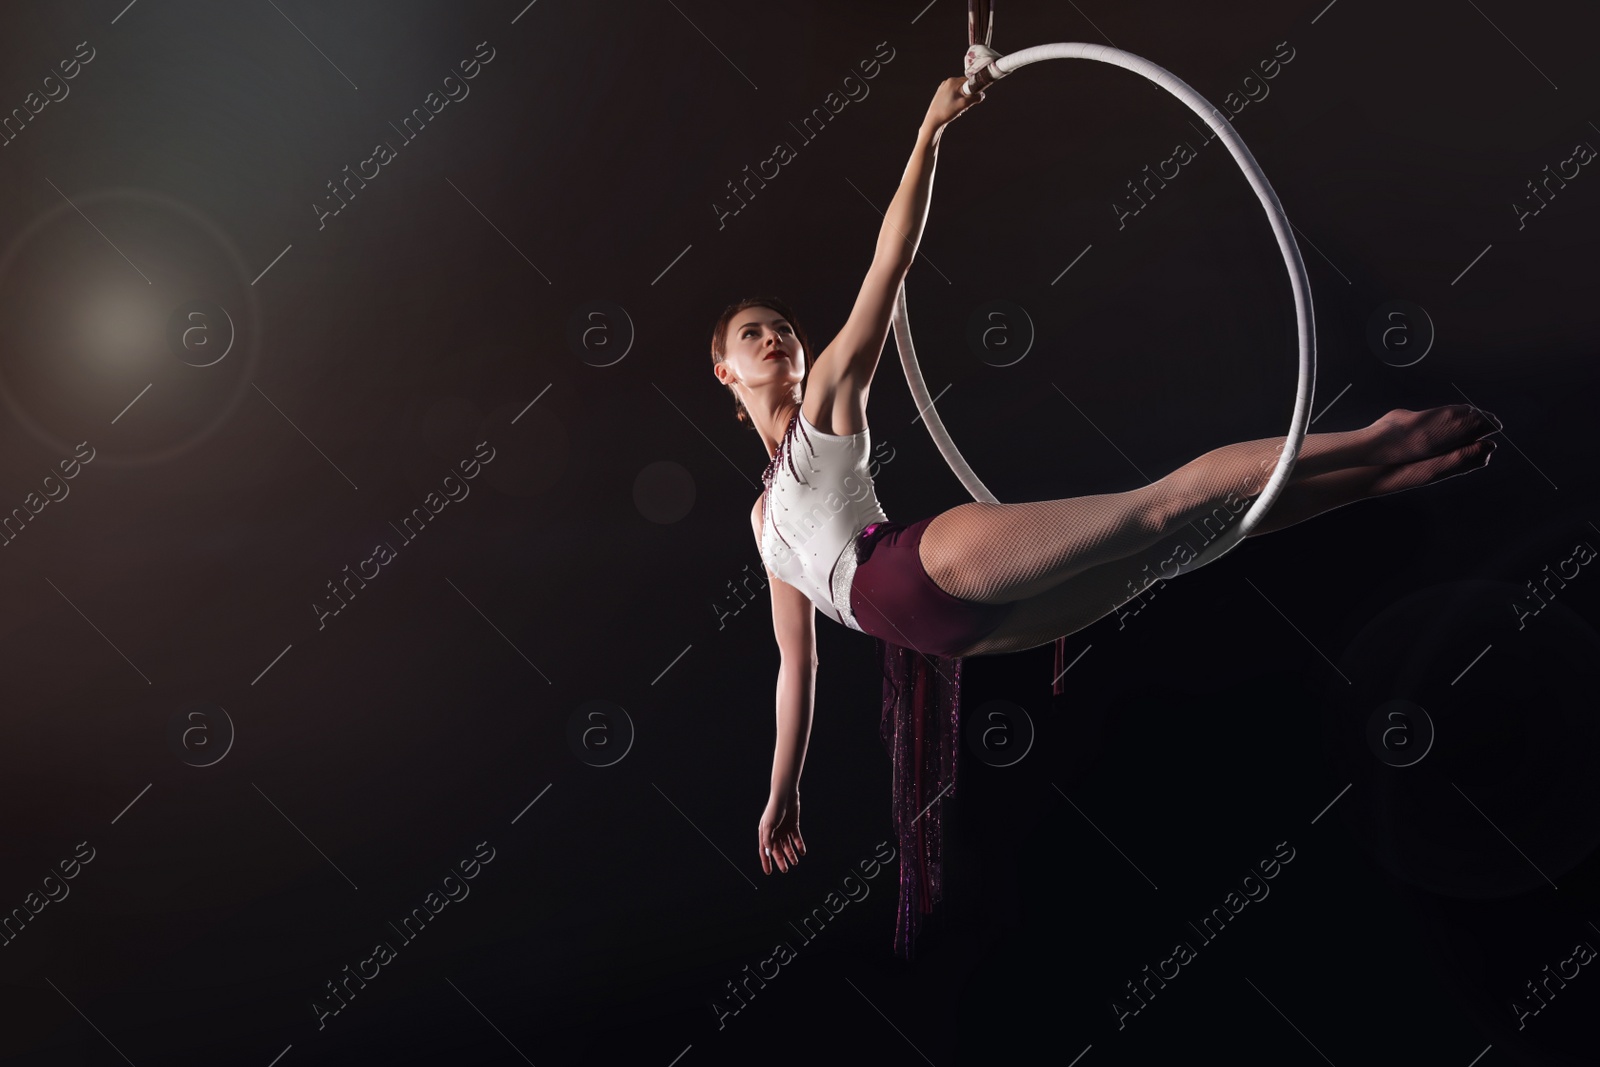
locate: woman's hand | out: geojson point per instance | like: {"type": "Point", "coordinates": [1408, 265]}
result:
{"type": "Point", "coordinates": [779, 831]}
{"type": "Point", "coordinates": [949, 102]}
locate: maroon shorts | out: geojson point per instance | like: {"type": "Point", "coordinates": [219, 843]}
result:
{"type": "Point", "coordinates": [893, 598]}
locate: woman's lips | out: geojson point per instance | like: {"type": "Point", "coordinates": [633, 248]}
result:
{"type": "Point", "coordinates": [779, 355]}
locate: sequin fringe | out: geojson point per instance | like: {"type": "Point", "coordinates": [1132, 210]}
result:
{"type": "Point", "coordinates": [919, 729]}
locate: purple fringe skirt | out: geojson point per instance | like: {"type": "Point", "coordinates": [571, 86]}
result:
{"type": "Point", "coordinates": [918, 626]}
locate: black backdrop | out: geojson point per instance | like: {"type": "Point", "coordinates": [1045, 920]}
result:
{"type": "Point", "coordinates": [219, 792]}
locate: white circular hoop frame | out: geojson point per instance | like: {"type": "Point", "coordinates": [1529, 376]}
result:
{"type": "Point", "coordinates": [989, 66]}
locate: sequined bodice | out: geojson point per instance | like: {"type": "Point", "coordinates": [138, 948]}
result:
{"type": "Point", "coordinates": [819, 496]}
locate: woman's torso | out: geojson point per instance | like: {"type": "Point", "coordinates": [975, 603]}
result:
{"type": "Point", "coordinates": [819, 496]}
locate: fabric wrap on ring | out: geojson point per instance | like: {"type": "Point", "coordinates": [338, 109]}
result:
{"type": "Point", "coordinates": [980, 56]}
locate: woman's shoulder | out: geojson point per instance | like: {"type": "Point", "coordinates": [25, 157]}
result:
{"type": "Point", "coordinates": [835, 408]}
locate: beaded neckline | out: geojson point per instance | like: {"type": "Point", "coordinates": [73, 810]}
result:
{"type": "Point", "coordinates": [784, 444]}
{"type": "Point", "coordinates": [783, 454]}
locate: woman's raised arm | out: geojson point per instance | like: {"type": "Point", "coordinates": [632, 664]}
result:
{"type": "Point", "coordinates": [853, 354]}
{"type": "Point", "coordinates": [908, 211]}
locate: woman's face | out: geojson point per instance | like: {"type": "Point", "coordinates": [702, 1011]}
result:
{"type": "Point", "coordinates": [761, 347]}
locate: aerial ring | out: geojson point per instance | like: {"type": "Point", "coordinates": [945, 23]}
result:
{"type": "Point", "coordinates": [986, 71]}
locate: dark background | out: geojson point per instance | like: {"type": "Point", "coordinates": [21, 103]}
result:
{"type": "Point", "coordinates": [593, 558]}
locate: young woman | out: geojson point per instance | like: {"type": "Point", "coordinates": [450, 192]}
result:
{"type": "Point", "coordinates": [979, 578]}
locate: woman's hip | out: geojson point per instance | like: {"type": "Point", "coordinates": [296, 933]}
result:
{"type": "Point", "coordinates": [893, 598]}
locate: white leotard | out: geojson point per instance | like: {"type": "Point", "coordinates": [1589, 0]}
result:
{"type": "Point", "coordinates": [819, 496]}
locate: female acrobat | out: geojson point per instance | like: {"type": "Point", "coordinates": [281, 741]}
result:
{"type": "Point", "coordinates": [981, 578]}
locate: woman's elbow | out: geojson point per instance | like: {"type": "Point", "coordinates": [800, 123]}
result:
{"type": "Point", "coordinates": [798, 657]}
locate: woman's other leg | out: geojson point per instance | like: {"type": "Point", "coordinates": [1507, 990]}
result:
{"type": "Point", "coordinates": [1000, 553]}
{"type": "Point", "coordinates": [1076, 602]}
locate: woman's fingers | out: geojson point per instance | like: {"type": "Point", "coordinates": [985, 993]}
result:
{"type": "Point", "coordinates": [791, 829]}
{"type": "Point", "coordinates": [764, 845]}
{"type": "Point", "coordinates": [777, 858]}
{"type": "Point", "coordinates": [779, 846]}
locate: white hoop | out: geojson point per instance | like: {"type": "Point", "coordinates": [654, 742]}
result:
{"type": "Point", "coordinates": [1304, 317]}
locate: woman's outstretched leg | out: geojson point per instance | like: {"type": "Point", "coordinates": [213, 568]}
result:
{"type": "Point", "coordinates": [1076, 602]}
{"type": "Point", "coordinates": [1001, 553]}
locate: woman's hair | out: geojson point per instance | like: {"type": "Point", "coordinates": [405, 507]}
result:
{"type": "Point", "coordinates": [719, 348]}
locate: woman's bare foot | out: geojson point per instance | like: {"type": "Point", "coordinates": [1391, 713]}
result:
{"type": "Point", "coordinates": [1437, 468]}
{"type": "Point", "coordinates": [1321, 494]}
{"type": "Point", "coordinates": [1404, 437]}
